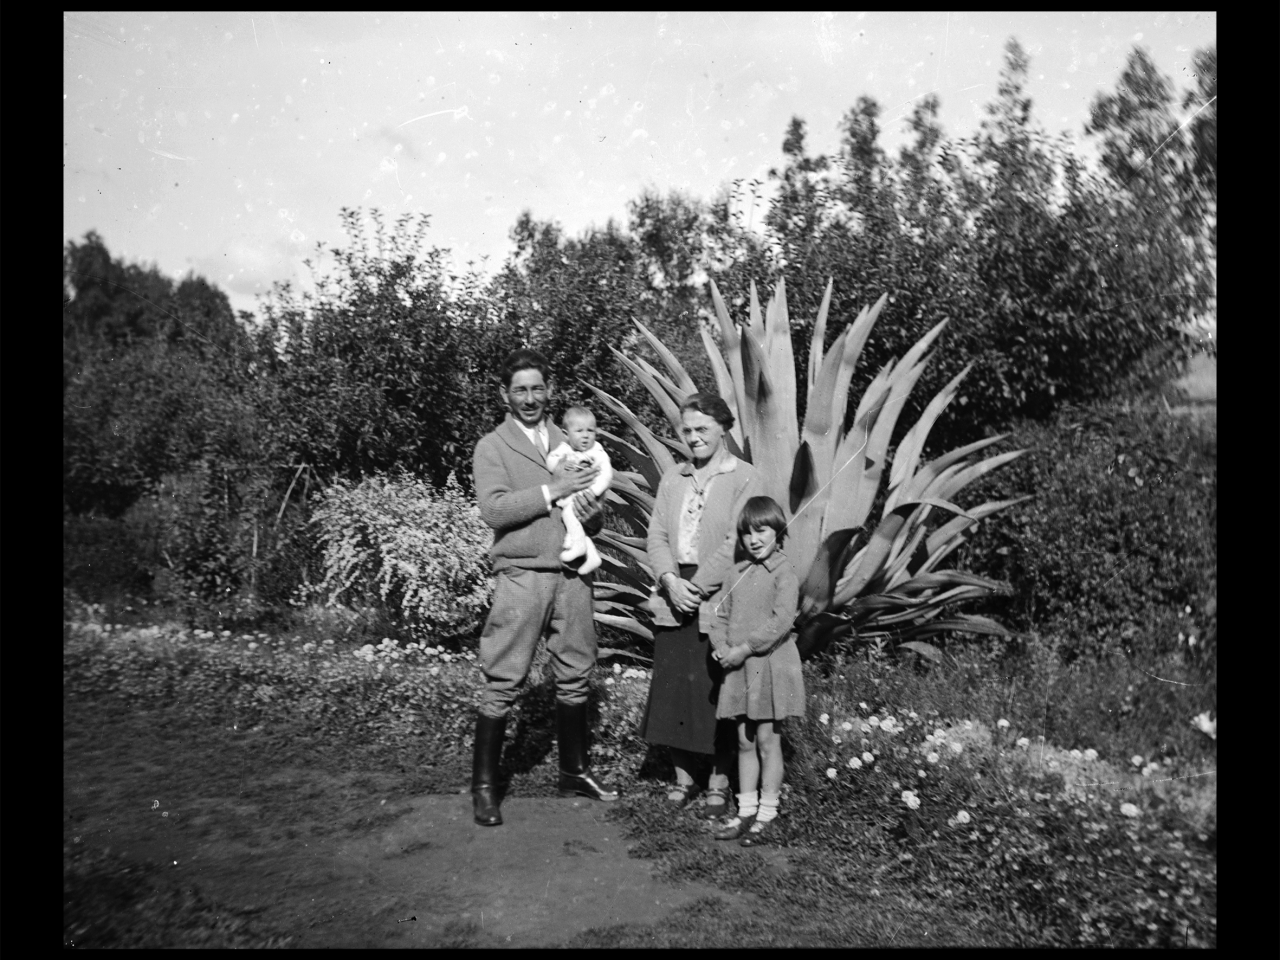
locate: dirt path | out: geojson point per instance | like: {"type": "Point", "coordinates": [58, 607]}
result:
{"type": "Point", "coordinates": [336, 858]}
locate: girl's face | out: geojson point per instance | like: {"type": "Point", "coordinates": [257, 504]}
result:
{"type": "Point", "coordinates": [701, 434]}
{"type": "Point", "coordinates": [760, 542]}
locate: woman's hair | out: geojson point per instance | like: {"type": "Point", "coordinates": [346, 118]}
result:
{"type": "Point", "coordinates": [762, 512]}
{"type": "Point", "coordinates": [523, 359]}
{"type": "Point", "coordinates": [712, 406]}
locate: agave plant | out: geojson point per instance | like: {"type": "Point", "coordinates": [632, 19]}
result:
{"type": "Point", "coordinates": [858, 580]}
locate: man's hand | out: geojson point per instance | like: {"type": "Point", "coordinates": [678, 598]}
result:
{"type": "Point", "coordinates": [565, 481]}
{"type": "Point", "coordinates": [586, 505]}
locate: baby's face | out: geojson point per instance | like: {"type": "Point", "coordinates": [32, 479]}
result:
{"type": "Point", "coordinates": [581, 432]}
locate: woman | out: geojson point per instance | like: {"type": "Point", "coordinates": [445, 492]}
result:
{"type": "Point", "coordinates": [690, 544]}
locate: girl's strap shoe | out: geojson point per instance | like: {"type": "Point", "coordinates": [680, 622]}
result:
{"type": "Point", "coordinates": [733, 829]}
{"type": "Point", "coordinates": [760, 832]}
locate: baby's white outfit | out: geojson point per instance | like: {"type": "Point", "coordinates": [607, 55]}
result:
{"type": "Point", "coordinates": [576, 542]}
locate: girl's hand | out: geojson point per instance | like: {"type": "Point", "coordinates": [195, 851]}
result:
{"type": "Point", "coordinates": [734, 656]}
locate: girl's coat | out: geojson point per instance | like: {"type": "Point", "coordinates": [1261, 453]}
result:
{"type": "Point", "coordinates": [757, 606]}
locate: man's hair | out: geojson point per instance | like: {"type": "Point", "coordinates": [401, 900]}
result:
{"type": "Point", "coordinates": [712, 406]}
{"type": "Point", "coordinates": [576, 411]}
{"type": "Point", "coordinates": [762, 512]}
{"type": "Point", "coordinates": [523, 359]}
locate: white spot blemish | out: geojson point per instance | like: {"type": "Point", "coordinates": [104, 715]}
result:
{"type": "Point", "coordinates": [235, 117]}
{"type": "Point", "coordinates": [440, 158]}
{"type": "Point", "coordinates": [297, 236]}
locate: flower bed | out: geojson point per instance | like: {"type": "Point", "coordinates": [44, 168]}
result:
{"type": "Point", "coordinates": [1068, 846]}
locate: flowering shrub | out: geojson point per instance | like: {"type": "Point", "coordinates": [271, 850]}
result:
{"type": "Point", "coordinates": [419, 553]}
{"type": "Point", "coordinates": [977, 817]}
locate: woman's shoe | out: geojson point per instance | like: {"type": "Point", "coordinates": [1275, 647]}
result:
{"type": "Point", "coordinates": [717, 803]}
{"type": "Point", "coordinates": [733, 829]}
{"type": "Point", "coordinates": [760, 832]}
{"type": "Point", "coordinates": [682, 794]}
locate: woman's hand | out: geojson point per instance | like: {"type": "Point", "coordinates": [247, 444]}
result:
{"type": "Point", "coordinates": [734, 656]}
{"type": "Point", "coordinates": [684, 595]}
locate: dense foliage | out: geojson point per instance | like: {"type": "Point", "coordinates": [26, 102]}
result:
{"type": "Point", "coordinates": [1118, 549]}
{"type": "Point", "coordinates": [419, 553]}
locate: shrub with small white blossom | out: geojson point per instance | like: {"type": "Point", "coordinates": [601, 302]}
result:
{"type": "Point", "coordinates": [418, 552]}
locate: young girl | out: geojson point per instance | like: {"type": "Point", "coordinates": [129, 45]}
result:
{"type": "Point", "coordinates": [751, 635]}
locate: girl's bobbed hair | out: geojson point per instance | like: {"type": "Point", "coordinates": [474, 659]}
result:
{"type": "Point", "coordinates": [762, 512]}
{"type": "Point", "coordinates": [712, 406]}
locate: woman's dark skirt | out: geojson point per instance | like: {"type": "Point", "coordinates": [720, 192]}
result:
{"type": "Point", "coordinates": [681, 711]}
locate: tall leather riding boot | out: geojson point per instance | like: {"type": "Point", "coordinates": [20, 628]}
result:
{"type": "Point", "coordinates": [484, 769]}
{"type": "Point", "coordinates": [575, 777]}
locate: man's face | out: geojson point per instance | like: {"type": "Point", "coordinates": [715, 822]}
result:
{"type": "Point", "coordinates": [526, 397]}
{"type": "Point", "coordinates": [581, 432]}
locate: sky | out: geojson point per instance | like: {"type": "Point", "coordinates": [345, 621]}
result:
{"type": "Point", "coordinates": [227, 143]}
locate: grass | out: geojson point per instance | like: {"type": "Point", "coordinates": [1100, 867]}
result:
{"type": "Point", "coordinates": [1048, 859]}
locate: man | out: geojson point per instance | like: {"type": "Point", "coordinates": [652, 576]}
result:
{"type": "Point", "coordinates": [533, 591]}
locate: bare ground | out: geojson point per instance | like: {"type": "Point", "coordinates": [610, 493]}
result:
{"type": "Point", "coordinates": [330, 857]}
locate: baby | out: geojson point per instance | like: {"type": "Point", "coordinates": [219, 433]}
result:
{"type": "Point", "coordinates": [580, 452]}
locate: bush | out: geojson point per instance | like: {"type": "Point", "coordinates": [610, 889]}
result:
{"type": "Point", "coordinates": [418, 553]}
{"type": "Point", "coordinates": [1118, 550]}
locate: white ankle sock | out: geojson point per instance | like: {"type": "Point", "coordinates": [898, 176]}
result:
{"type": "Point", "coordinates": [748, 803]}
{"type": "Point", "coordinates": [768, 808]}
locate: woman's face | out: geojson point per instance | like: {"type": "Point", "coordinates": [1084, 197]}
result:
{"type": "Point", "coordinates": [701, 434]}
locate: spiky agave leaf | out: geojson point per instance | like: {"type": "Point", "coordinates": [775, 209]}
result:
{"type": "Point", "coordinates": [662, 459]}
{"type": "Point", "coordinates": [819, 337]}
{"type": "Point", "coordinates": [827, 481]}
{"type": "Point", "coordinates": [683, 381]}
{"type": "Point", "coordinates": [668, 406]}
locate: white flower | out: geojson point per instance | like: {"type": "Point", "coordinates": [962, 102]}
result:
{"type": "Point", "coordinates": [1077, 754]}
{"type": "Point", "coordinates": [608, 681]}
{"type": "Point", "coordinates": [962, 816]}
{"type": "Point", "coordinates": [1136, 760]}
{"type": "Point", "coordinates": [1024, 742]}
{"type": "Point", "coordinates": [887, 724]}
{"type": "Point", "coordinates": [1191, 640]}
{"type": "Point", "coordinates": [910, 799]}
{"type": "Point", "coordinates": [865, 728]}
{"type": "Point", "coordinates": [831, 772]}
{"type": "Point", "coordinates": [835, 739]}
{"type": "Point", "coordinates": [862, 706]}
{"type": "Point", "coordinates": [1205, 725]}
{"type": "Point", "coordinates": [1002, 723]}
{"type": "Point", "coordinates": [617, 668]}
{"type": "Point", "coordinates": [874, 721]}
{"type": "Point", "coordinates": [435, 671]}
{"type": "Point", "coordinates": [912, 715]}
{"type": "Point", "coordinates": [956, 747]}
{"type": "Point", "coordinates": [1091, 754]}
{"type": "Point", "coordinates": [1128, 809]}
{"type": "Point", "coordinates": [855, 763]}
{"type": "Point", "coordinates": [846, 726]}
{"type": "Point", "coordinates": [939, 734]}
{"type": "Point", "coordinates": [968, 724]}
{"type": "Point", "coordinates": [253, 646]}
{"type": "Point", "coordinates": [919, 773]}
{"type": "Point", "coordinates": [932, 757]}
{"type": "Point", "coordinates": [823, 719]}
{"type": "Point", "coordinates": [867, 757]}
